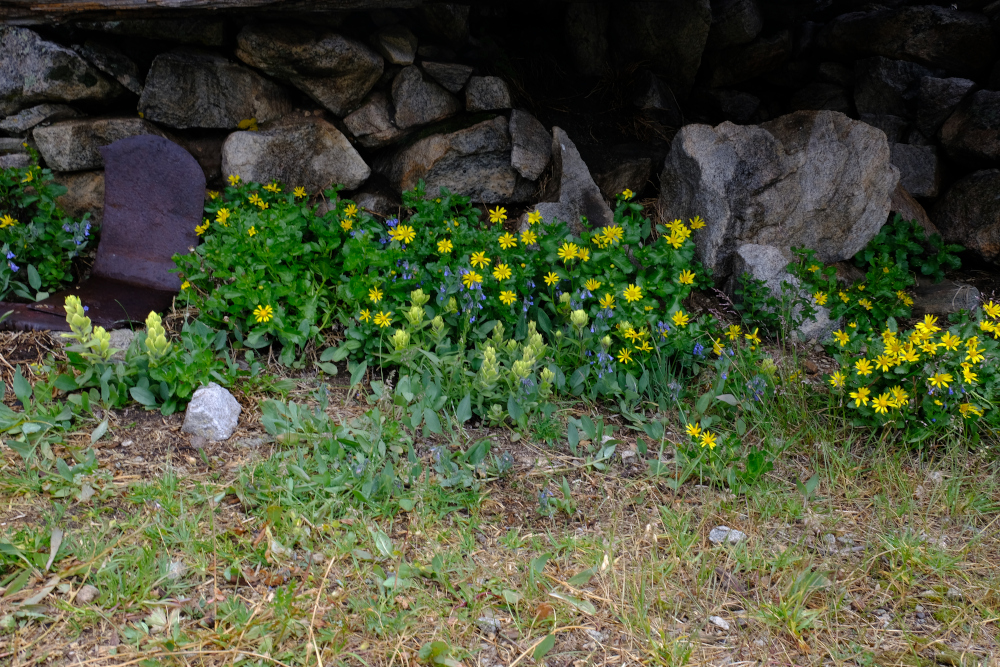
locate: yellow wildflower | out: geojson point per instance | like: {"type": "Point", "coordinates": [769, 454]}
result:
{"type": "Point", "coordinates": [624, 355]}
{"type": "Point", "coordinates": [567, 251]}
{"type": "Point", "coordinates": [860, 396]}
{"type": "Point", "coordinates": [708, 440]}
{"type": "Point", "coordinates": [346, 224]}
{"type": "Point", "coordinates": [252, 231]}
{"type": "Point", "coordinates": [201, 229]}
{"type": "Point", "coordinates": [273, 187]}
{"type": "Point", "coordinates": [837, 379]}
{"type": "Point", "coordinates": [507, 241]}
{"type": "Point", "coordinates": [551, 279]}
{"type": "Point", "coordinates": [969, 409]}
{"type": "Point", "coordinates": [7, 221]}
{"type": "Point", "coordinates": [501, 272]}
{"type": "Point", "coordinates": [383, 319]}
{"type": "Point", "coordinates": [608, 301]}
{"type": "Point", "coordinates": [534, 217]}
{"type": "Point", "coordinates": [234, 179]}
{"type": "Point", "coordinates": [185, 285]}
{"type": "Point", "coordinates": [508, 297]}
{"type": "Point", "coordinates": [992, 309]}
{"type": "Point", "coordinates": [627, 194]}
{"type": "Point", "coordinates": [733, 332]}
{"type": "Point", "coordinates": [497, 215]}
{"type": "Point", "coordinates": [694, 430]}
{"type": "Point", "coordinates": [753, 337]}
{"type": "Point", "coordinates": [479, 259]}
{"type": "Point", "coordinates": [820, 298]}
{"type": "Point", "coordinates": [263, 313]}
{"type": "Point", "coordinates": [365, 315]}
{"type": "Point", "coordinates": [632, 293]}
{"type": "Point", "coordinates": [882, 403]}
{"type": "Point", "coordinates": [592, 285]}
{"type": "Point", "coordinates": [940, 380]}
{"type": "Point", "coordinates": [686, 277]}
{"type": "Point", "coordinates": [841, 337]}
{"type": "Point", "coordinates": [222, 215]}
{"type": "Point", "coordinates": [472, 278]}
{"type": "Point", "coordinates": [445, 246]}
{"type": "Point", "coordinates": [696, 222]}
{"type": "Point", "coordinates": [583, 254]}
{"type": "Point", "coordinates": [864, 367]}
{"type": "Point", "coordinates": [299, 192]}
{"type": "Point", "coordinates": [375, 294]}
{"type": "Point", "coordinates": [403, 233]}
{"type": "Point", "coordinates": [528, 237]}
{"type": "Point", "coordinates": [680, 318]}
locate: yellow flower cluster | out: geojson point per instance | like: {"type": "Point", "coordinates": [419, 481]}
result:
{"type": "Point", "coordinates": [705, 438]}
{"type": "Point", "coordinates": [7, 221]}
{"type": "Point", "coordinates": [608, 236]}
{"type": "Point", "coordinates": [923, 343]}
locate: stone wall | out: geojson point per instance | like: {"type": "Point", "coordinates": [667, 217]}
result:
{"type": "Point", "coordinates": [378, 95]}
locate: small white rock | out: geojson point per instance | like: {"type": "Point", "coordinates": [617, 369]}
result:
{"type": "Point", "coordinates": [721, 534]}
{"type": "Point", "coordinates": [212, 413]}
{"type": "Point", "coordinates": [719, 622]}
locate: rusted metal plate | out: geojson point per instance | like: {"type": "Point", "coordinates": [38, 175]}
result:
{"type": "Point", "coordinates": [154, 195]}
{"type": "Point", "coordinates": [153, 199]}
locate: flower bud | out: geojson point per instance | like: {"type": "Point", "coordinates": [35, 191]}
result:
{"type": "Point", "coordinates": [102, 342]}
{"type": "Point", "coordinates": [77, 318]}
{"type": "Point", "coordinates": [437, 324]}
{"type": "Point", "coordinates": [564, 298]}
{"type": "Point", "coordinates": [547, 376]}
{"type": "Point", "coordinates": [579, 318]}
{"type": "Point", "coordinates": [606, 342]}
{"type": "Point", "coordinates": [156, 338]}
{"type": "Point", "coordinates": [418, 297]}
{"type": "Point", "coordinates": [415, 315]}
{"type": "Point", "coordinates": [400, 339]}
{"type": "Point", "coordinates": [452, 306]}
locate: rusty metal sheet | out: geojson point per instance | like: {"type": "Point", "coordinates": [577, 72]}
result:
{"type": "Point", "coordinates": [153, 200]}
{"type": "Point", "coordinates": [154, 195]}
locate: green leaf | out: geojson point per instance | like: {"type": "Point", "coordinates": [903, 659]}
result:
{"type": "Point", "coordinates": [544, 647]}
{"type": "Point", "coordinates": [143, 396]}
{"type": "Point", "coordinates": [33, 278]}
{"type": "Point", "coordinates": [511, 597]}
{"type": "Point", "coordinates": [728, 398]}
{"type": "Point", "coordinates": [573, 435]}
{"type": "Point", "coordinates": [464, 412]}
{"type": "Point", "coordinates": [99, 432]}
{"type": "Point", "coordinates": [582, 578]}
{"type": "Point", "coordinates": [431, 421]}
{"type": "Point", "coordinates": [514, 410]}
{"type": "Point", "coordinates": [583, 605]}
{"type": "Point", "coordinates": [538, 564]}
{"type": "Point", "coordinates": [358, 372]}
{"type": "Point", "coordinates": [22, 388]}
{"type": "Point", "coordinates": [406, 504]}
{"type": "Point", "coordinates": [383, 543]}
{"type": "Point", "coordinates": [703, 402]}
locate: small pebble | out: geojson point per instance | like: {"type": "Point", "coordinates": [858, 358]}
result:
{"type": "Point", "coordinates": [721, 534]}
{"type": "Point", "coordinates": [87, 594]}
{"type": "Point", "coordinates": [719, 622]}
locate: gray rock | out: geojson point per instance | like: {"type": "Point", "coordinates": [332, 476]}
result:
{"type": "Point", "coordinates": [72, 145]}
{"type": "Point", "coordinates": [84, 194]}
{"type": "Point", "coordinates": [206, 148]}
{"type": "Point", "coordinates": [586, 33]}
{"type": "Point", "coordinates": [651, 94]}
{"type": "Point", "coordinates": [489, 624]}
{"type": "Point", "coordinates": [748, 61]}
{"type": "Point", "coordinates": [768, 263]}
{"type": "Point", "coordinates": [306, 152]}
{"type": "Point", "coordinates": [186, 88]}
{"type": "Point", "coordinates": [622, 167]}
{"type": "Point", "coordinates": [336, 71]}
{"type": "Point", "coordinates": [121, 339]}
{"type": "Point", "coordinates": [813, 179]}
{"type": "Point", "coordinates": [372, 124]}
{"type": "Point", "coordinates": [962, 43]}
{"type": "Point", "coordinates": [719, 622]}
{"type": "Point", "coordinates": [87, 594]}
{"type": "Point", "coordinates": [212, 414]}
{"type": "Point", "coordinates": [207, 32]}
{"type": "Point", "coordinates": [487, 93]}
{"type": "Point", "coordinates": [822, 97]}
{"type": "Point", "coordinates": [379, 197]}
{"type": "Point", "coordinates": [734, 22]}
{"type": "Point", "coordinates": [908, 208]}
{"type": "Point", "coordinates": [447, 21]}
{"type": "Point", "coordinates": [895, 128]}
{"type": "Point", "coordinates": [884, 86]}
{"type": "Point", "coordinates": [396, 44]}
{"type": "Point", "coordinates": [969, 213]}
{"type": "Point", "coordinates": [944, 298]}
{"type": "Point", "coordinates": [838, 73]}
{"type": "Point", "coordinates": [573, 193]}
{"type": "Point", "coordinates": [451, 76]}
{"type": "Point", "coordinates": [734, 105]}
{"type": "Point", "coordinates": [531, 145]}
{"type": "Point", "coordinates": [919, 171]}
{"type": "Point", "coordinates": [11, 146]}
{"type": "Point", "coordinates": [474, 162]}
{"type": "Point", "coordinates": [419, 101]}
{"type": "Point", "coordinates": [971, 135]}
{"type": "Point", "coordinates": [670, 35]}
{"type": "Point", "coordinates": [15, 161]}
{"type": "Point", "coordinates": [936, 101]}
{"type": "Point", "coordinates": [112, 62]}
{"type": "Point", "coordinates": [22, 122]}
{"type": "Point", "coordinates": [33, 70]}
{"type": "Point", "coordinates": [721, 534]}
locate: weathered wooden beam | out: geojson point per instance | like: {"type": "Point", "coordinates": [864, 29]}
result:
{"type": "Point", "coordinates": [28, 12]}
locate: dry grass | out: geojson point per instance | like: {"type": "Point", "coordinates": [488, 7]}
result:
{"type": "Point", "coordinates": [891, 560]}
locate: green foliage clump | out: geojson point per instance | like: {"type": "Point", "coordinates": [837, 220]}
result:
{"type": "Point", "coordinates": [38, 241]}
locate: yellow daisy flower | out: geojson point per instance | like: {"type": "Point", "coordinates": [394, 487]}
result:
{"type": "Point", "coordinates": [497, 215]}
{"type": "Point", "coordinates": [592, 285]}
{"type": "Point", "coordinates": [508, 297]}
{"type": "Point", "coordinates": [501, 272]}
{"type": "Point", "coordinates": [365, 315]}
{"type": "Point", "coordinates": [472, 278]}
{"type": "Point", "coordinates": [864, 367]}
{"type": "Point", "coordinates": [507, 241]}
{"type": "Point", "coordinates": [346, 224]}
{"type": "Point", "coordinates": [860, 396]}
{"type": "Point", "coordinates": [383, 319]}
{"type": "Point", "coordinates": [708, 440]}
{"type": "Point", "coordinates": [882, 403]}
{"type": "Point", "coordinates": [534, 217]}
{"type": "Point", "coordinates": [567, 251]}
{"type": "Point", "coordinates": [299, 192]}
{"type": "Point", "coordinates": [403, 233]}
{"type": "Point", "coordinates": [351, 209]}
{"type": "Point", "coordinates": [940, 380]}
{"type": "Point", "coordinates": [479, 259]}
{"type": "Point", "coordinates": [837, 380]}
{"type": "Point", "coordinates": [445, 246]}
{"type": "Point", "coordinates": [696, 222]}
{"type": "Point", "coordinates": [252, 231]}
{"type": "Point", "coordinates": [263, 313]}
{"type": "Point", "coordinates": [680, 319]}
{"type": "Point", "coordinates": [551, 279]}
{"type": "Point", "coordinates": [633, 293]}
{"type": "Point", "coordinates": [375, 294]}
{"type": "Point", "coordinates": [608, 301]}
{"type": "Point", "coordinates": [686, 277]}
{"type": "Point", "coordinates": [528, 237]}
{"type": "Point", "coordinates": [234, 179]}
{"type": "Point", "coordinates": [624, 355]}
{"type": "Point", "coordinates": [694, 430]}
{"type": "Point", "coordinates": [733, 332]}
